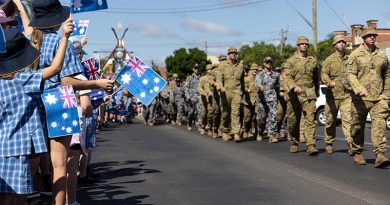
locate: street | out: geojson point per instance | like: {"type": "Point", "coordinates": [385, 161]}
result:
{"type": "Point", "coordinates": [166, 164]}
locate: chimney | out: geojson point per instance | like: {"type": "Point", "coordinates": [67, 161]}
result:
{"type": "Point", "coordinates": [355, 33]}
{"type": "Point", "coordinates": [372, 23]}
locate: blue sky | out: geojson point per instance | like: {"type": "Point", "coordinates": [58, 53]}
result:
{"type": "Point", "coordinates": [156, 30]}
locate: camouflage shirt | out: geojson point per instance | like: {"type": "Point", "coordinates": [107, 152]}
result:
{"type": "Point", "coordinates": [369, 70]}
{"type": "Point", "coordinates": [271, 82]}
{"type": "Point", "coordinates": [191, 86]}
{"type": "Point", "coordinates": [302, 72]}
{"type": "Point", "coordinates": [206, 85]}
{"type": "Point", "coordinates": [231, 76]}
{"type": "Point", "coordinates": [178, 94]}
{"type": "Point", "coordinates": [332, 70]}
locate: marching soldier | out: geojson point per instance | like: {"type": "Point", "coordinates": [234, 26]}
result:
{"type": "Point", "coordinates": [301, 82]}
{"type": "Point", "coordinates": [337, 97]}
{"type": "Point", "coordinates": [368, 73]}
{"type": "Point", "coordinates": [172, 109]}
{"type": "Point", "coordinates": [250, 94]}
{"type": "Point", "coordinates": [206, 95]}
{"type": "Point", "coordinates": [268, 85]}
{"type": "Point", "coordinates": [178, 95]}
{"type": "Point", "coordinates": [192, 96]}
{"type": "Point", "coordinates": [282, 105]}
{"type": "Point", "coordinates": [230, 82]}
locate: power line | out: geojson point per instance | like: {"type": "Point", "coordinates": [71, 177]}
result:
{"type": "Point", "coordinates": [335, 13]}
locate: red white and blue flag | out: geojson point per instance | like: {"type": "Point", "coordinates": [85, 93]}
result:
{"type": "Point", "coordinates": [91, 71]}
{"type": "Point", "coordinates": [140, 80]}
{"type": "Point", "coordinates": [80, 28]}
{"type": "Point", "coordinates": [77, 6]}
{"type": "Point", "coordinates": [61, 111]}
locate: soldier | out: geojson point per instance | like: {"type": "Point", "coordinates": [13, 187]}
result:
{"type": "Point", "coordinates": [206, 95]}
{"type": "Point", "coordinates": [150, 113]}
{"type": "Point", "coordinates": [230, 81]}
{"type": "Point", "coordinates": [192, 96]}
{"type": "Point", "coordinates": [250, 94]}
{"type": "Point", "coordinates": [302, 84]}
{"type": "Point", "coordinates": [216, 72]}
{"type": "Point", "coordinates": [178, 96]}
{"type": "Point", "coordinates": [172, 109]}
{"type": "Point", "coordinates": [337, 97]}
{"type": "Point", "coordinates": [368, 74]}
{"type": "Point", "coordinates": [282, 105]}
{"type": "Point", "coordinates": [268, 85]}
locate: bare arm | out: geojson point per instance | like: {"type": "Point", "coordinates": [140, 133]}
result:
{"type": "Point", "coordinates": [23, 15]}
{"type": "Point", "coordinates": [86, 105]}
{"type": "Point", "coordinates": [58, 60]}
{"type": "Point", "coordinates": [88, 84]}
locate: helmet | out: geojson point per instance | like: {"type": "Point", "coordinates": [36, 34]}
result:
{"type": "Point", "coordinates": [369, 31]}
{"type": "Point", "coordinates": [302, 39]}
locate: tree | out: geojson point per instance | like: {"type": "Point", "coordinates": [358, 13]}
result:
{"type": "Point", "coordinates": [182, 61]}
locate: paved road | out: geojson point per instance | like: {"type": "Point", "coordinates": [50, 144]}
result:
{"type": "Point", "coordinates": [166, 164]}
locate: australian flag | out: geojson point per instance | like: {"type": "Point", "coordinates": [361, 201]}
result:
{"type": "Point", "coordinates": [2, 41]}
{"type": "Point", "coordinates": [77, 6]}
{"type": "Point", "coordinates": [91, 72]}
{"type": "Point", "coordinates": [61, 111]}
{"type": "Point", "coordinates": [140, 80]}
{"type": "Point", "coordinates": [97, 97]}
{"type": "Point", "coordinates": [80, 28]}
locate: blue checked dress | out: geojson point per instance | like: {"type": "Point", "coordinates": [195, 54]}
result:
{"type": "Point", "coordinates": [21, 131]}
{"type": "Point", "coordinates": [71, 66]}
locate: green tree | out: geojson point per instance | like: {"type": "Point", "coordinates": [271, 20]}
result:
{"type": "Point", "coordinates": [182, 61]}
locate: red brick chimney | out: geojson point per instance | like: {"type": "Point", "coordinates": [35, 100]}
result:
{"type": "Point", "coordinates": [372, 23]}
{"type": "Point", "coordinates": [355, 31]}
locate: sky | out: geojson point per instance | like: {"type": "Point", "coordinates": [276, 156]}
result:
{"type": "Point", "coordinates": [158, 27]}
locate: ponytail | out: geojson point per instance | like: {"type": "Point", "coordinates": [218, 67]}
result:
{"type": "Point", "coordinates": [36, 42]}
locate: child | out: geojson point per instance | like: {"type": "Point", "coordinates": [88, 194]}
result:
{"type": "Point", "coordinates": [21, 133]}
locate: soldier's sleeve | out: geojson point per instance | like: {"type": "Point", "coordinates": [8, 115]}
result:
{"type": "Point", "coordinates": [186, 87]}
{"type": "Point", "coordinates": [200, 86]}
{"type": "Point", "coordinates": [258, 80]}
{"type": "Point", "coordinates": [386, 85]}
{"type": "Point", "coordinates": [325, 72]}
{"type": "Point", "coordinates": [289, 82]}
{"type": "Point", "coordinates": [352, 73]}
{"type": "Point", "coordinates": [219, 77]}
{"type": "Point", "coordinates": [316, 77]}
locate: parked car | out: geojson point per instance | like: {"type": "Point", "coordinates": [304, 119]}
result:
{"type": "Point", "coordinates": [320, 109]}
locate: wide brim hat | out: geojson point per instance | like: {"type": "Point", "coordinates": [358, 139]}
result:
{"type": "Point", "coordinates": [369, 31]}
{"type": "Point", "coordinates": [337, 39]}
{"type": "Point", "coordinates": [302, 40]}
{"type": "Point", "coordinates": [19, 52]}
{"type": "Point", "coordinates": [232, 50]}
{"type": "Point", "coordinates": [48, 13]}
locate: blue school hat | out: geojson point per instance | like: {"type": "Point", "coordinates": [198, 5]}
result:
{"type": "Point", "coordinates": [48, 13]}
{"type": "Point", "coordinates": [19, 52]}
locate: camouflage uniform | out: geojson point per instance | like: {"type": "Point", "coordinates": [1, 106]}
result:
{"type": "Point", "coordinates": [192, 97]}
{"type": "Point", "coordinates": [268, 101]}
{"type": "Point", "coordinates": [301, 107]}
{"type": "Point", "coordinates": [281, 108]}
{"type": "Point", "coordinates": [231, 77]}
{"type": "Point", "coordinates": [250, 96]}
{"type": "Point", "coordinates": [369, 70]}
{"type": "Point", "coordinates": [150, 112]}
{"type": "Point", "coordinates": [178, 96]}
{"type": "Point", "coordinates": [171, 103]}
{"type": "Point", "coordinates": [337, 98]}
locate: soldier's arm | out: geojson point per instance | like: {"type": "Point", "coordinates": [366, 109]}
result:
{"type": "Point", "coordinates": [386, 85]}
{"type": "Point", "coordinates": [277, 84]}
{"type": "Point", "coordinates": [200, 86]}
{"type": "Point", "coordinates": [289, 82]}
{"type": "Point", "coordinates": [219, 78]}
{"type": "Point", "coordinates": [186, 87]}
{"type": "Point", "coordinates": [325, 73]}
{"type": "Point", "coordinates": [316, 78]}
{"type": "Point", "coordinates": [352, 75]}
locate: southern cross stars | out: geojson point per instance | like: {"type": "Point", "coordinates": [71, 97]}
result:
{"type": "Point", "coordinates": [126, 78]}
{"type": "Point", "coordinates": [51, 99]}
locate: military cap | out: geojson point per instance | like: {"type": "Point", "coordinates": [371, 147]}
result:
{"type": "Point", "coordinates": [369, 31]}
{"type": "Point", "coordinates": [267, 59]}
{"type": "Point", "coordinates": [196, 66]}
{"type": "Point", "coordinates": [215, 65]}
{"type": "Point", "coordinates": [209, 67]}
{"type": "Point", "coordinates": [222, 57]}
{"type": "Point", "coordinates": [302, 39]}
{"type": "Point", "coordinates": [175, 75]}
{"type": "Point", "coordinates": [254, 66]}
{"type": "Point", "coordinates": [232, 50]}
{"type": "Point", "coordinates": [337, 39]}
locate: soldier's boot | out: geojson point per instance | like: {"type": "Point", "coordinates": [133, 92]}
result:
{"type": "Point", "coordinates": [281, 135]}
{"type": "Point", "coordinates": [302, 139]}
{"type": "Point", "coordinates": [237, 138]}
{"type": "Point", "coordinates": [210, 133]}
{"type": "Point", "coordinates": [207, 127]}
{"type": "Point", "coordinates": [350, 151]}
{"type": "Point", "coordinates": [215, 134]}
{"type": "Point", "coordinates": [329, 149]}
{"type": "Point", "coordinates": [189, 128]}
{"type": "Point", "coordinates": [311, 150]}
{"type": "Point", "coordinates": [245, 135]}
{"type": "Point", "coordinates": [220, 133]}
{"type": "Point", "coordinates": [273, 139]}
{"type": "Point", "coordinates": [359, 159]}
{"type": "Point", "coordinates": [173, 122]}
{"type": "Point", "coordinates": [225, 137]}
{"type": "Point", "coordinates": [167, 120]}
{"type": "Point", "coordinates": [259, 138]}
{"type": "Point", "coordinates": [293, 148]}
{"type": "Point", "coordinates": [381, 161]}
{"type": "Point", "coordinates": [179, 123]}
{"type": "Point", "coordinates": [202, 131]}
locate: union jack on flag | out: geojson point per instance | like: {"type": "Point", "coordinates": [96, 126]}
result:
{"type": "Point", "coordinates": [140, 80]}
{"type": "Point", "coordinates": [61, 111]}
{"type": "Point", "coordinates": [91, 72]}
{"type": "Point", "coordinates": [80, 28]}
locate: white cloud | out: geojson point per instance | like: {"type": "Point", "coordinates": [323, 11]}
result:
{"type": "Point", "coordinates": [210, 27]}
{"type": "Point", "coordinates": [150, 29]}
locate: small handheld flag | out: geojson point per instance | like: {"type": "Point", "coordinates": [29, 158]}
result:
{"type": "Point", "coordinates": [77, 6]}
{"type": "Point", "coordinates": [97, 97]}
{"type": "Point", "coordinates": [91, 72]}
{"type": "Point", "coordinates": [80, 28]}
{"type": "Point", "coordinates": [61, 111]}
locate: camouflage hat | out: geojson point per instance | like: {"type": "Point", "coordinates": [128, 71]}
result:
{"type": "Point", "coordinates": [254, 66]}
{"type": "Point", "coordinates": [215, 65]}
{"type": "Point", "coordinates": [302, 39]}
{"type": "Point", "coordinates": [209, 67]}
{"type": "Point", "coordinates": [232, 50]}
{"type": "Point", "coordinates": [337, 39]}
{"type": "Point", "coordinates": [175, 75]}
{"type": "Point", "coordinates": [222, 57]}
{"type": "Point", "coordinates": [267, 59]}
{"type": "Point", "coordinates": [369, 31]}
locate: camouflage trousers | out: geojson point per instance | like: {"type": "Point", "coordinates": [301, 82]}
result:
{"type": "Point", "coordinates": [378, 111]}
{"type": "Point", "coordinates": [180, 108]}
{"type": "Point", "coordinates": [150, 112]}
{"type": "Point", "coordinates": [281, 114]}
{"type": "Point", "coordinates": [213, 113]}
{"type": "Point", "coordinates": [231, 101]}
{"type": "Point", "coordinates": [203, 111]}
{"type": "Point", "coordinates": [331, 110]}
{"type": "Point", "coordinates": [267, 117]}
{"type": "Point", "coordinates": [193, 110]}
{"type": "Point", "coordinates": [301, 115]}
{"type": "Point", "coordinates": [249, 118]}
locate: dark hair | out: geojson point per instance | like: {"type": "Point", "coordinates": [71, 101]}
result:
{"type": "Point", "coordinates": [36, 41]}
{"type": "Point", "coordinates": [10, 9]}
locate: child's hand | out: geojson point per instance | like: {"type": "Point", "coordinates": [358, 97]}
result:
{"type": "Point", "coordinates": [67, 27]}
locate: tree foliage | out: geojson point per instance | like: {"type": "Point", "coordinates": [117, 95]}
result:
{"type": "Point", "coordinates": [182, 61]}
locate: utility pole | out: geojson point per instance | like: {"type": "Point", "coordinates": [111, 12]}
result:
{"type": "Point", "coordinates": [283, 39]}
{"type": "Point", "coordinates": [205, 47]}
{"type": "Point", "coordinates": [315, 25]}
